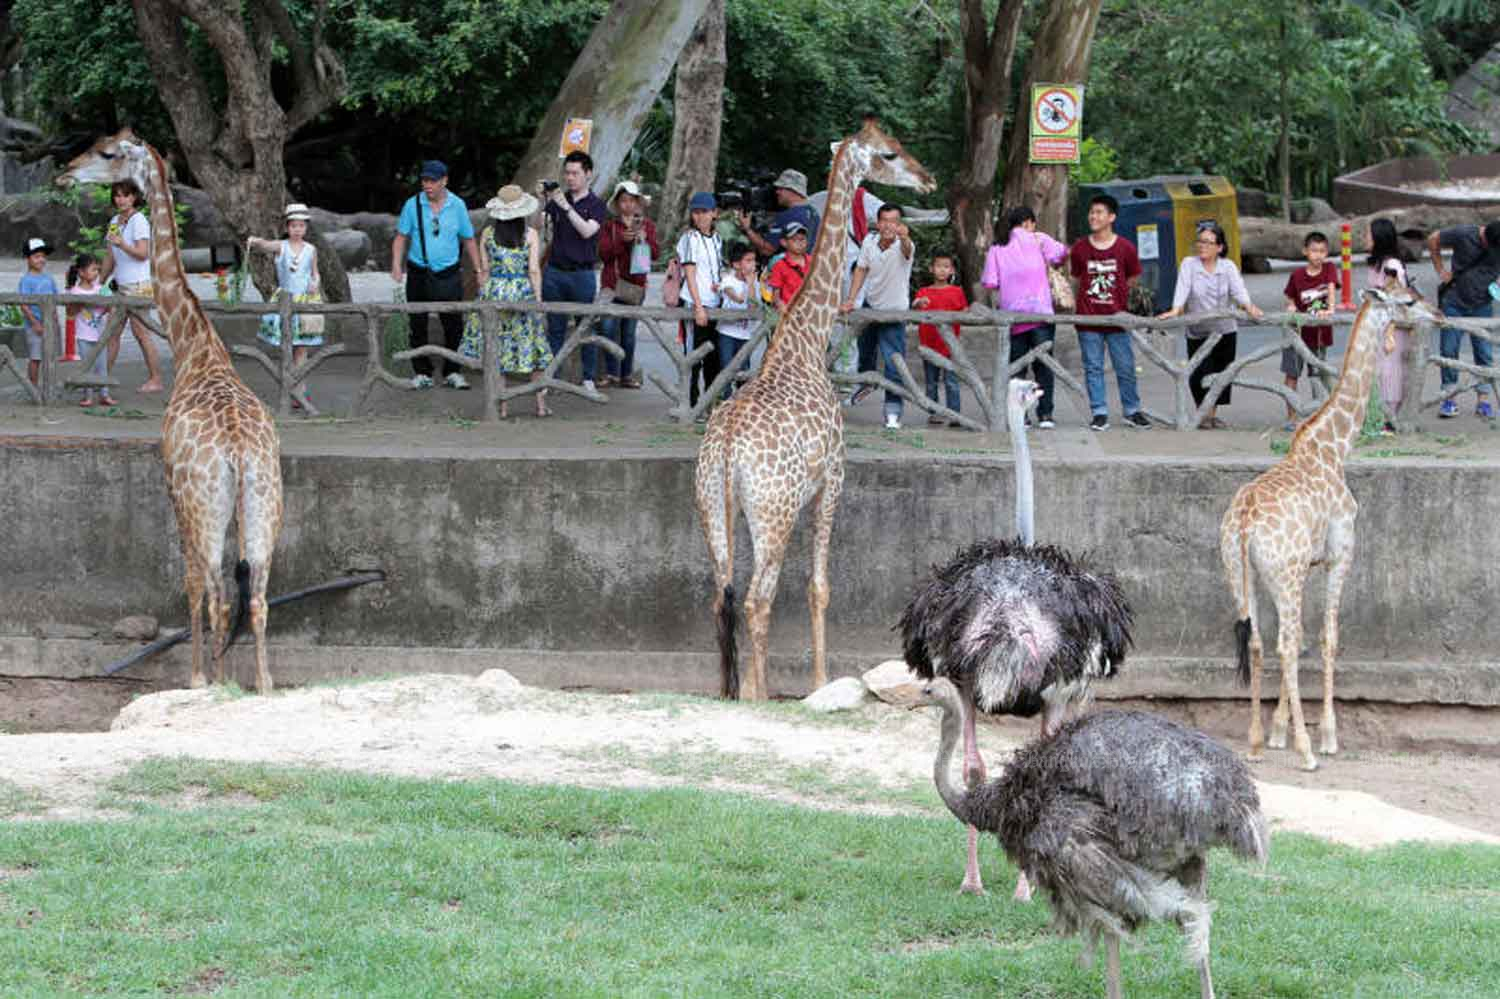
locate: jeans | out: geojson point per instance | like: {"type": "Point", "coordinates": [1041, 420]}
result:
{"type": "Point", "coordinates": [1020, 345]}
{"type": "Point", "coordinates": [423, 285]}
{"type": "Point", "coordinates": [1450, 340]}
{"type": "Point", "coordinates": [570, 286]}
{"type": "Point", "coordinates": [1121, 358]}
{"type": "Point", "coordinates": [728, 347]}
{"type": "Point", "coordinates": [890, 339]}
{"type": "Point", "coordinates": [935, 375]}
{"type": "Point", "coordinates": [622, 332]}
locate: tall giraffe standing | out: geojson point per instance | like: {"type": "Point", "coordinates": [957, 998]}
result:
{"type": "Point", "coordinates": [219, 444]}
{"type": "Point", "coordinates": [779, 443]}
{"type": "Point", "coordinates": [1299, 514]}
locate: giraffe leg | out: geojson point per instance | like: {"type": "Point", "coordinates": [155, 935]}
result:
{"type": "Point", "coordinates": [770, 549]}
{"type": "Point", "coordinates": [824, 504]}
{"type": "Point", "coordinates": [195, 587]}
{"type": "Point", "coordinates": [1257, 670]}
{"type": "Point", "coordinates": [1289, 644]}
{"type": "Point", "coordinates": [258, 608]}
{"type": "Point", "coordinates": [715, 516]}
{"type": "Point", "coordinates": [1341, 556]}
{"type": "Point", "coordinates": [260, 522]}
{"type": "Point", "coordinates": [218, 622]}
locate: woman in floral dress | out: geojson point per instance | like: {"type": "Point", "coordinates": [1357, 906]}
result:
{"type": "Point", "coordinates": [512, 260]}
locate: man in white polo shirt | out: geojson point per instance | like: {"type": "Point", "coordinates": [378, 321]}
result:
{"type": "Point", "coordinates": [884, 275]}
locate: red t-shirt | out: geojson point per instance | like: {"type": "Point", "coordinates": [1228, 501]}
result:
{"type": "Point", "coordinates": [787, 277]}
{"type": "Point", "coordinates": [948, 298]}
{"type": "Point", "coordinates": [1103, 278]}
{"type": "Point", "coordinates": [1310, 293]}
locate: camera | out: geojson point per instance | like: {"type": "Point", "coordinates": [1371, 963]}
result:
{"type": "Point", "coordinates": [749, 197]}
{"type": "Point", "coordinates": [549, 186]}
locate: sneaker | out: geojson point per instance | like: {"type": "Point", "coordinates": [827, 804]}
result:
{"type": "Point", "coordinates": [1046, 423]}
{"type": "Point", "coordinates": [588, 385]}
{"type": "Point", "coordinates": [421, 382]}
{"type": "Point", "coordinates": [1099, 422]}
{"type": "Point", "coordinates": [1448, 410]}
{"type": "Point", "coordinates": [892, 421]}
{"type": "Point", "coordinates": [1484, 410]}
{"type": "Point", "coordinates": [935, 420]}
{"type": "Point", "coordinates": [860, 395]}
{"type": "Point", "coordinates": [455, 381]}
{"type": "Point", "coordinates": [1387, 429]}
{"type": "Point", "coordinates": [1138, 420]}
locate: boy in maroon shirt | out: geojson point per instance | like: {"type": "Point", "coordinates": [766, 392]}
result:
{"type": "Point", "coordinates": [1312, 289]}
{"type": "Point", "coordinates": [1105, 266]}
{"type": "Point", "coordinates": [945, 295]}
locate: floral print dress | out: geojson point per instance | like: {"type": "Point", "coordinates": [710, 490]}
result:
{"type": "Point", "coordinates": [523, 339]}
{"type": "Point", "coordinates": [296, 275]}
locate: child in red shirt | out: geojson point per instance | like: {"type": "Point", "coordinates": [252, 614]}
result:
{"type": "Point", "coordinates": [946, 296]}
{"type": "Point", "coordinates": [791, 269]}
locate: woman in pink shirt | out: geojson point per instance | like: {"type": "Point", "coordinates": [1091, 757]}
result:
{"type": "Point", "coordinates": [1015, 269]}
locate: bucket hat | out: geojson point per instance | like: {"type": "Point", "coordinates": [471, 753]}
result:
{"type": "Point", "coordinates": [792, 180]}
{"type": "Point", "coordinates": [510, 202]}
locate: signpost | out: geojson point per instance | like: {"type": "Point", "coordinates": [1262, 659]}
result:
{"type": "Point", "coordinates": [575, 136]}
{"type": "Point", "coordinates": [1056, 120]}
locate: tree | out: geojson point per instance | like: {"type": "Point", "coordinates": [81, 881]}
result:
{"type": "Point", "coordinates": [614, 81]}
{"type": "Point", "coordinates": [235, 144]}
{"type": "Point", "coordinates": [988, 54]}
{"type": "Point", "coordinates": [698, 115]}
{"type": "Point", "coordinates": [1059, 54]}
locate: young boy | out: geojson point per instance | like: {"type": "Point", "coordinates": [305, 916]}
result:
{"type": "Point", "coordinates": [1312, 289]}
{"type": "Point", "coordinates": [791, 269]}
{"type": "Point", "coordinates": [942, 294]}
{"type": "Point", "coordinates": [741, 290]}
{"type": "Point", "coordinates": [1105, 266]}
{"type": "Point", "coordinates": [36, 281]}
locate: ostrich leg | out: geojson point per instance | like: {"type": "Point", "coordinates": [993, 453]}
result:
{"type": "Point", "coordinates": [973, 776]}
{"type": "Point", "coordinates": [1112, 967]}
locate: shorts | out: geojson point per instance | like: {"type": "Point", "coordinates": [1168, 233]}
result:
{"type": "Point", "coordinates": [1292, 362]}
{"type": "Point", "coordinates": [33, 345]}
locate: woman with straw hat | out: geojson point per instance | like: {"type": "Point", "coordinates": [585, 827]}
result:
{"type": "Point", "coordinates": [510, 255]}
{"type": "Point", "coordinates": [297, 276]}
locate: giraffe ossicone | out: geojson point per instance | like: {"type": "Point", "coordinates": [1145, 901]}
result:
{"type": "Point", "coordinates": [778, 445]}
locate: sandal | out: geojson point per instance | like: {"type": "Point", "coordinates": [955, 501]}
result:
{"type": "Point", "coordinates": [605, 381]}
{"type": "Point", "coordinates": [107, 400]}
{"type": "Point", "coordinates": [630, 382]}
{"type": "Point", "coordinates": [86, 401]}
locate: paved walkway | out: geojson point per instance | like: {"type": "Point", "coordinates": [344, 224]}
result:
{"type": "Point", "coordinates": [442, 418]}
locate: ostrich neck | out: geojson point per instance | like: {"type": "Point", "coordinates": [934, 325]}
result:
{"type": "Point", "coordinates": [954, 797]}
{"type": "Point", "coordinates": [1025, 522]}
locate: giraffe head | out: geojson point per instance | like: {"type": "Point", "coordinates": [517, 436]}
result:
{"type": "Point", "coordinates": [878, 157]}
{"type": "Point", "coordinates": [1402, 306]}
{"type": "Point", "coordinates": [121, 156]}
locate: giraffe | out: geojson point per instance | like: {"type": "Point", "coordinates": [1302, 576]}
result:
{"type": "Point", "coordinates": [779, 443]}
{"type": "Point", "coordinates": [219, 444]}
{"type": "Point", "coordinates": [1299, 514]}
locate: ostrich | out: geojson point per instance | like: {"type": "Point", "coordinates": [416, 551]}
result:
{"type": "Point", "coordinates": [1020, 628]}
{"type": "Point", "coordinates": [1113, 815]}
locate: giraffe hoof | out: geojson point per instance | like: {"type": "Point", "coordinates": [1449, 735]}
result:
{"type": "Point", "coordinates": [1330, 747]}
{"type": "Point", "coordinates": [197, 682]}
{"type": "Point", "coordinates": [1255, 756]}
{"type": "Point", "coordinates": [1309, 763]}
{"type": "Point", "coordinates": [1277, 741]}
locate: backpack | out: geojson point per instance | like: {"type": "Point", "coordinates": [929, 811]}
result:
{"type": "Point", "coordinates": [671, 288]}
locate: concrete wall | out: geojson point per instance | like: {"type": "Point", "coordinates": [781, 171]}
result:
{"type": "Point", "coordinates": [495, 551]}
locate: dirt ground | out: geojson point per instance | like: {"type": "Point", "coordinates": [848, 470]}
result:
{"type": "Point", "coordinates": [876, 758]}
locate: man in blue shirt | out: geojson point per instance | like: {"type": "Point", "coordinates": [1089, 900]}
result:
{"type": "Point", "coordinates": [791, 195]}
{"type": "Point", "coordinates": [576, 214]}
{"type": "Point", "coordinates": [433, 227]}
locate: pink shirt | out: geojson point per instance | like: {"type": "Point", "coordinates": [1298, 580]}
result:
{"type": "Point", "coordinates": [1019, 271]}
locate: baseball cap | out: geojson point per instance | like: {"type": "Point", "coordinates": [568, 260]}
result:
{"type": "Point", "coordinates": [434, 170]}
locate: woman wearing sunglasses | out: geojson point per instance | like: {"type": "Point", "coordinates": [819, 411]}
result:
{"type": "Point", "coordinates": [1209, 281]}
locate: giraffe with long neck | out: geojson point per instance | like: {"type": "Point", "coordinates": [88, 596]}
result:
{"type": "Point", "coordinates": [1298, 514]}
{"type": "Point", "coordinates": [779, 443]}
{"type": "Point", "coordinates": [219, 443]}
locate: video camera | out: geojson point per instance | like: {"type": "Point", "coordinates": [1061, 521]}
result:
{"type": "Point", "coordinates": [745, 196]}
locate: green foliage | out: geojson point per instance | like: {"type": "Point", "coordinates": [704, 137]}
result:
{"type": "Point", "coordinates": [1097, 162]}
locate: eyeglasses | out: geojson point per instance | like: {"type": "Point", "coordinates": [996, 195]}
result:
{"type": "Point", "coordinates": [437, 228]}
{"type": "Point", "coordinates": [1208, 240]}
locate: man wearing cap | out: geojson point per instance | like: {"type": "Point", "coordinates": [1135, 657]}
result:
{"type": "Point", "coordinates": [430, 232]}
{"type": "Point", "coordinates": [791, 195]}
{"type": "Point", "coordinates": [576, 214]}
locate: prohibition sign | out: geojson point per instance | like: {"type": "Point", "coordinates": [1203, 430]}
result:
{"type": "Point", "coordinates": [1056, 111]}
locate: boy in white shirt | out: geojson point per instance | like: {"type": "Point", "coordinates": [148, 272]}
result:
{"type": "Point", "coordinates": [741, 291]}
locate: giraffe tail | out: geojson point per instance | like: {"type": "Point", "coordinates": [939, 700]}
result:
{"type": "Point", "coordinates": [729, 656]}
{"type": "Point", "coordinates": [1242, 625]}
{"type": "Point", "coordinates": [241, 602]}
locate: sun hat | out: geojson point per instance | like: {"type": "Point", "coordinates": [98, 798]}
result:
{"type": "Point", "coordinates": [296, 211]}
{"type": "Point", "coordinates": [702, 201]}
{"type": "Point", "coordinates": [792, 180]}
{"type": "Point", "coordinates": [510, 202]}
{"type": "Point", "coordinates": [434, 170]}
{"type": "Point", "coordinates": [625, 187]}
{"type": "Point", "coordinates": [36, 244]}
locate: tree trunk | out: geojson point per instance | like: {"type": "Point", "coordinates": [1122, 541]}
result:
{"type": "Point", "coordinates": [1059, 54]}
{"type": "Point", "coordinates": [1284, 144]}
{"type": "Point", "coordinates": [698, 113]}
{"type": "Point", "coordinates": [1271, 237]}
{"type": "Point", "coordinates": [988, 54]}
{"type": "Point", "coordinates": [236, 151]}
{"type": "Point", "coordinates": [614, 81]}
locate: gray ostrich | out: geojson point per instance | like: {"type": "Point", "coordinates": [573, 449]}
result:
{"type": "Point", "coordinates": [1113, 816]}
{"type": "Point", "coordinates": [1020, 628]}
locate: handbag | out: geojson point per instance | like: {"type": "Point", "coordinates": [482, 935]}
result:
{"type": "Point", "coordinates": [1062, 290]}
{"type": "Point", "coordinates": [1142, 301]}
{"type": "Point", "coordinates": [629, 293]}
{"type": "Point", "coordinates": [671, 289]}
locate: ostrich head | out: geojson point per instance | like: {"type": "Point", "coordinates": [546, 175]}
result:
{"type": "Point", "coordinates": [880, 158]}
{"type": "Point", "coordinates": [121, 156]}
{"type": "Point", "coordinates": [1022, 397]}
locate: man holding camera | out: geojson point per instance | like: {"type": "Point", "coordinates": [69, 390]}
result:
{"type": "Point", "coordinates": [431, 230]}
{"type": "Point", "coordinates": [791, 196]}
{"type": "Point", "coordinates": [576, 214]}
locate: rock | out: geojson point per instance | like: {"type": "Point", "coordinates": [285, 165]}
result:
{"type": "Point", "coordinates": [26, 215]}
{"type": "Point", "coordinates": [894, 682]}
{"type": "Point", "coordinates": [1252, 263]}
{"type": "Point", "coordinates": [158, 709]}
{"type": "Point", "coordinates": [1307, 211]}
{"type": "Point", "coordinates": [498, 681]}
{"type": "Point", "coordinates": [136, 627]}
{"type": "Point", "coordinates": [843, 694]}
{"type": "Point", "coordinates": [1252, 201]}
{"type": "Point", "coordinates": [353, 247]}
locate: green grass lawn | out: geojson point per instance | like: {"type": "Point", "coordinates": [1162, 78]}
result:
{"type": "Point", "coordinates": [238, 880]}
